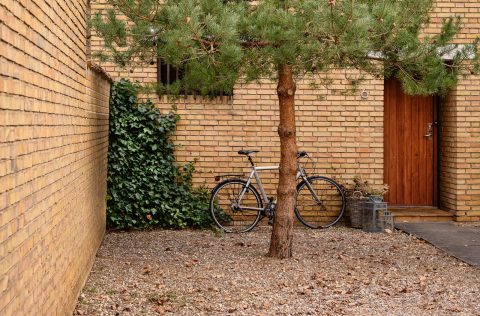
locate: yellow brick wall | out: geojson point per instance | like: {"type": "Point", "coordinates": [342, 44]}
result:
{"type": "Point", "coordinates": [460, 129]}
{"type": "Point", "coordinates": [53, 146]}
{"type": "Point", "coordinates": [460, 150]}
{"type": "Point", "coordinates": [345, 134]}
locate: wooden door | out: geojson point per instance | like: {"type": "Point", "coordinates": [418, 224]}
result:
{"type": "Point", "coordinates": [410, 147]}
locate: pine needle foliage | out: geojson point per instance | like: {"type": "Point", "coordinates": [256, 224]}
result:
{"type": "Point", "coordinates": [220, 41]}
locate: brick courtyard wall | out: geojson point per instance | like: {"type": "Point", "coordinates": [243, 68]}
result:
{"type": "Point", "coordinates": [468, 147]}
{"type": "Point", "coordinates": [344, 133]}
{"type": "Point", "coordinates": [447, 176]}
{"type": "Point", "coordinates": [460, 123]}
{"type": "Point", "coordinates": [460, 150]}
{"type": "Point", "coordinates": [53, 151]}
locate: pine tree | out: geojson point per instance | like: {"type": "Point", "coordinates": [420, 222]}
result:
{"type": "Point", "coordinates": [219, 42]}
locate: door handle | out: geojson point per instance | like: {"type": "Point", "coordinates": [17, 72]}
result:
{"type": "Point", "coordinates": [429, 130]}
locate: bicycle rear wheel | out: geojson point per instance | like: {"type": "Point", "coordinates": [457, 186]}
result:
{"type": "Point", "coordinates": [228, 212]}
{"type": "Point", "coordinates": [320, 203]}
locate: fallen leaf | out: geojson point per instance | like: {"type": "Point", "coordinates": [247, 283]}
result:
{"type": "Point", "coordinates": [159, 310]}
{"type": "Point", "coordinates": [146, 270]}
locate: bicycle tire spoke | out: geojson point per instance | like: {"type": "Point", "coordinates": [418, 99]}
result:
{"type": "Point", "coordinates": [228, 214]}
{"type": "Point", "coordinates": [320, 214]}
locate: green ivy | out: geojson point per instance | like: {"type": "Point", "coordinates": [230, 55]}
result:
{"type": "Point", "coordinates": [146, 187]}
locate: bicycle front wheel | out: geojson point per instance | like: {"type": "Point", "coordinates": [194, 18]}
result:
{"type": "Point", "coordinates": [229, 212]}
{"type": "Point", "coordinates": [319, 202]}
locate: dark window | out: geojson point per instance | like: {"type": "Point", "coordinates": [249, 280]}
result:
{"type": "Point", "coordinates": [166, 73]}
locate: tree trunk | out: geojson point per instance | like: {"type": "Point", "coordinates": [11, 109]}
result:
{"type": "Point", "coordinates": [282, 233]}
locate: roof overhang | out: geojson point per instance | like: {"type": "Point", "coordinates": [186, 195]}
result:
{"type": "Point", "coordinates": [446, 52]}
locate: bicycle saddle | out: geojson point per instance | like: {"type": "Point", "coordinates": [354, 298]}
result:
{"type": "Point", "coordinates": [247, 152]}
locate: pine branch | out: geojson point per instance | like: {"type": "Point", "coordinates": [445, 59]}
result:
{"type": "Point", "coordinates": [231, 38]}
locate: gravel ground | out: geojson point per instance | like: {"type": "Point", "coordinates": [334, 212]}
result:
{"type": "Point", "coordinates": [339, 271]}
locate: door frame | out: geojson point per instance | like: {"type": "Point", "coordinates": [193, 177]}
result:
{"type": "Point", "coordinates": [436, 149]}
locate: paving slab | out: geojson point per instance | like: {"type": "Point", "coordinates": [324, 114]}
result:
{"type": "Point", "coordinates": [462, 242]}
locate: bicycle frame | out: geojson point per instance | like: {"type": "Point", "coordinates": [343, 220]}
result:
{"type": "Point", "coordinates": [254, 174]}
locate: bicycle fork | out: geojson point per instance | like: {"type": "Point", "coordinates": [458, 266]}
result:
{"type": "Point", "coordinates": [312, 190]}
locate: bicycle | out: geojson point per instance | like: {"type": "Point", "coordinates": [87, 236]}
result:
{"type": "Point", "coordinates": [236, 205]}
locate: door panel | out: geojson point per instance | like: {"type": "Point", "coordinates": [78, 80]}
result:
{"type": "Point", "coordinates": [409, 151]}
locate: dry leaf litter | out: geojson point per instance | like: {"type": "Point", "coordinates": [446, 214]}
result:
{"type": "Point", "coordinates": [338, 271]}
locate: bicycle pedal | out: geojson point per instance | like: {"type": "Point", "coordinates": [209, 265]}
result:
{"type": "Point", "coordinates": [270, 222]}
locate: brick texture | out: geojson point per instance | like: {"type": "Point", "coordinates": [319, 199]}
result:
{"type": "Point", "coordinates": [53, 146]}
{"type": "Point", "coordinates": [343, 133]}
{"type": "Point", "coordinates": [460, 127]}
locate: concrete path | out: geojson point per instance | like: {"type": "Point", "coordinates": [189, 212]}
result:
{"type": "Point", "coordinates": [458, 241]}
